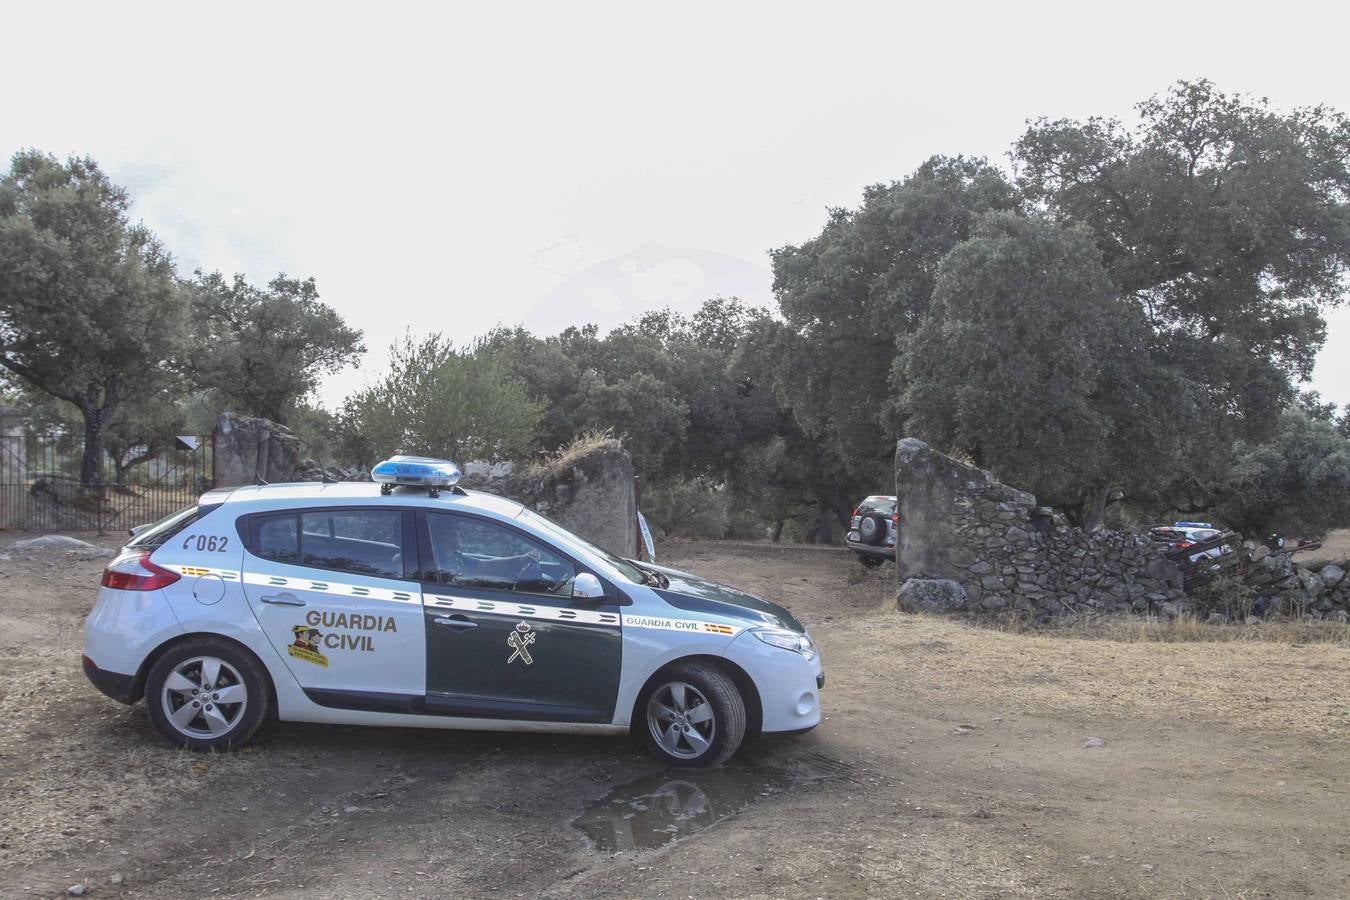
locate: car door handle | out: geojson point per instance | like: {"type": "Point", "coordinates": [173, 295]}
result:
{"type": "Point", "coordinates": [282, 600]}
{"type": "Point", "coordinates": [454, 622]}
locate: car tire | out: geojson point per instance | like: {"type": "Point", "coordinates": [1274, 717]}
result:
{"type": "Point", "coordinates": [872, 529]}
{"type": "Point", "coordinates": [207, 694]}
{"type": "Point", "coordinates": [870, 562]}
{"type": "Point", "coordinates": [691, 716]}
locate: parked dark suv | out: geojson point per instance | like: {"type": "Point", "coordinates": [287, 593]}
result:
{"type": "Point", "coordinates": [872, 532]}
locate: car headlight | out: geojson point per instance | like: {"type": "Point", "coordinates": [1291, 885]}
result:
{"type": "Point", "coordinates": [787, 640]}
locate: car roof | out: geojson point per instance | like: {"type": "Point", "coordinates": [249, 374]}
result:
{"type": "Point", "coordinates": [314, 493]}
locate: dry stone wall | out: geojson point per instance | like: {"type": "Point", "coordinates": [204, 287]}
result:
{"type": "Point", "coordinates": [968, 543]}
{"type": "Point", "coordinates": [1315, 590]}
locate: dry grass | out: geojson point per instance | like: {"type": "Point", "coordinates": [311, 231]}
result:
{"type": "Point", "coordinates": [1253, 684]}
{"type": "Point", "coordinates": [1335, 546]}
{"type": "Point", "coordinates": [1182, 630]}
{"type": "Point", "coordinates": [63, 781]}
{"type": "Point", "coordinates": [582, 444]}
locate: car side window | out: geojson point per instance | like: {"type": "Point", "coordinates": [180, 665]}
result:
{"type": "Point", "coordinates": [478, 554]}
{"type": "Point", "coordinates": [365, 541]}
{"type": "Point", "coordinates": [276, 538]}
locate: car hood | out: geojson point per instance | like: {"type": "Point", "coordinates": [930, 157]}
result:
{"type": "Point", "coordinates": [695, 594]}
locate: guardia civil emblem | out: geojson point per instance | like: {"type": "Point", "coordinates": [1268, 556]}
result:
{"type": "Point", "coordinates": [519, 641]}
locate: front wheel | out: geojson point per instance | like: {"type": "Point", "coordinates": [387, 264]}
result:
{"type": "Point", "coordinates": [692, 717]}
{"type": "Point", "coordinates": [206, 694]}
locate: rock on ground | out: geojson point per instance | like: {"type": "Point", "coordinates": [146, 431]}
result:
{"type": "Point", "coordinates": [54, 542]}
{"type": "Point", "coordinates": [937, 595]}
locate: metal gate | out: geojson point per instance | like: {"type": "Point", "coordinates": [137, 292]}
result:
{"type": "Point", "coordinates": [40, 488]}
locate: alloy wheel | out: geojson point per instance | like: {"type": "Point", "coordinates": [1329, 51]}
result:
{"type": "Point", "coordinates": [204, 697]}
{"type": "Point", "coordinates": [681, 720]}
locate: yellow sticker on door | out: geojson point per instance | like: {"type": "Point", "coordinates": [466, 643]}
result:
{"type": "Point", "coordinates": [306, 645]}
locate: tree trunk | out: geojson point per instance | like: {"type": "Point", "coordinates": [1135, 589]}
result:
{"type": "Point", "coordinates": [822, 530]}
{"type": "Point", "coordinates": [91, 463]}
{"type": "Point", "coordinates": [96, 417]}
{"type": "Point", "coordinates": [1093, 507]}
{"type": "Point", "coordinates": [778, 528]}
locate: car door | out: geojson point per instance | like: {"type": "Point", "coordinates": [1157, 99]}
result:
{"type": "Point", "coordinates": [334, 590]}
{"type": "Point", "coordinates": [504, 637]}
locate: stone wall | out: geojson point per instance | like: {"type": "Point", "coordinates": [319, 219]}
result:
{"type": "Point", "coordinates": [589, 490]}
{"type": "Point", "coordinates": [1279, 586]}
{"type": "Point", "coordinates": [968, 543]}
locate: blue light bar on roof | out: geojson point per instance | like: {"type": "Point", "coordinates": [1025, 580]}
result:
{"type": "Point", "coordinates": [1191, 525]}
{"type": "Point", "coordinates": [416, 471]}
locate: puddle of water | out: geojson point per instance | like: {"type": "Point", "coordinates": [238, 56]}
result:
{"type": "Point", "coordinates": [653, 811]}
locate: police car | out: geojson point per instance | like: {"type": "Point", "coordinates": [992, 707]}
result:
{"type": "Point", "coordinates": [412, 602]}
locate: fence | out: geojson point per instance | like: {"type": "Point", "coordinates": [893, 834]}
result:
{"type": "Point", "coordinates": [40, 488]}
{"type": "Point", "coordinates": [1226, 554]}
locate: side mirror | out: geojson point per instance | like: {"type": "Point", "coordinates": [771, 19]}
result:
{"type": "Point", "coordinates": [587, 587]}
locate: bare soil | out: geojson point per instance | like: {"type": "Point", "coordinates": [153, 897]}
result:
{"type": "Point", "coordinates": [952, 762]}
{"type": "Point", "coordinates": [1335, 548]}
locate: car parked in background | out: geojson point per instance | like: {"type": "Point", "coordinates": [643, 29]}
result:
{"type": "Point", "coordinates": [872, 532]}
{"type": "Point", "coordinates": [1180, 535]}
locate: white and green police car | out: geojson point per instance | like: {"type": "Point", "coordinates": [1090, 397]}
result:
{"type": "Point", "coordinates": [411, 602]}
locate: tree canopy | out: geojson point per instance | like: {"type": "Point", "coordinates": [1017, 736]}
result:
{"type": "Point", "coordinates": [264, 350]}
{"type": "Point", "coordinates": [89, 304]}
{"type": "Point", "coordinates": [1028, 361]}
{"type": "Point", "coordinates": [849, 294]}
{"type": "Point", "coordinates": [1221, 233]}
{"type": "Point", "coordinates": [1297, 480]}
{"type": "Point", "coordinates": [438, 400]}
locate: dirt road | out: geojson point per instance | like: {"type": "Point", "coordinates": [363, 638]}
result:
{"type": "Point", "coordinates": [952, 763]}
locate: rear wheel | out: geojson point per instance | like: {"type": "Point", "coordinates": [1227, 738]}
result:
{"type": "Point", "coordinates": [692, 716]}
{"type": "Point", "coordinates": [206, 694]}
{"type": "Point", "coordinates": [870, 562]}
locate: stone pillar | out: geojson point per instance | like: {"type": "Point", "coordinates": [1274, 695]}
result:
{"type": "Point", "coordinates": [590, 491]}
{"type": "Point", "coordinates": [249, 448]}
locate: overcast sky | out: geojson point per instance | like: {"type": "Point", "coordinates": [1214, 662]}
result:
{"type": "Point", "coordinates": [447, 168]}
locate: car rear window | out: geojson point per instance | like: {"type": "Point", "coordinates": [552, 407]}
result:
{"type": "Point", "coordinates": [156, 534]}
{"type": "Point", "coordinates": [883, 505]}
{"type": "Point", "coordinates": [366, 541]}
{"type": "Point", "coordinates": [276, 538]}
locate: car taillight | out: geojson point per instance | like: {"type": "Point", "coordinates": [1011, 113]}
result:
{"type": "Point", "coordinates": [895, 517]}
{"type": "Point", "coordinates": [1182, 545]}
{"type": "Point", "coordinates": [132, 570]}
{"type": "Point", "coordinates": [858, 511]}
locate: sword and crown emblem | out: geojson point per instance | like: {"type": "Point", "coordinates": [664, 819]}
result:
{"type": "Point", "coordinates": [520, 640]}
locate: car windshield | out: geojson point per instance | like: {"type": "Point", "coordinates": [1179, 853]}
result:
{"type": "Point", "coordinates": [624, 567]}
